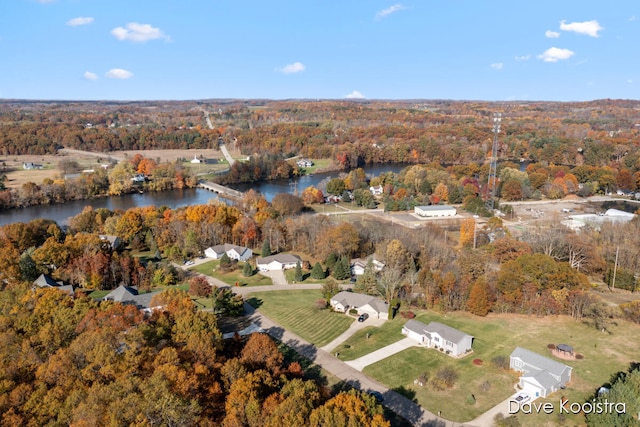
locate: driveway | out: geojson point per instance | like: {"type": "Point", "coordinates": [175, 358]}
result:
{"type": "Point", "coordinates": [276, 276]}
{"type": "Point", "coordinates": [383, 353]}
{"type": "Point", "coordinates": [487, 418]}
{"type": "Point", "coordinates": [353, 328]}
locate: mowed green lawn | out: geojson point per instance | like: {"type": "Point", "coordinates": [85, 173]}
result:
{"type": "Point", "coordinates": [371, 338]}
{"type": "Point", "coordinates": [296, 311]}
{"type": "Point", "coordinates": [209, 268]}
{"type": "Point", "coordinates": [605, 354]}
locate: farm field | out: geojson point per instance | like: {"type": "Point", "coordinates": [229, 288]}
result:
{"type": "Point", "coordinates": [296, 311]}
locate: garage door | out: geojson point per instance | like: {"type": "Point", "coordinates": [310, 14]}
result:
{"type": "Point", "coordinates": [533, 389]}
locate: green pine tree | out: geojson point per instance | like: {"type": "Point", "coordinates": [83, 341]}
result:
{"type": "Point", "coordinates": [317, 272]}
{"type": "Point", "coordinates": [266, 249]}
{"type": "Point", "coordinates": [247, 270]}
{"type": "Point", "coordinates": [298, 276]}
{"type": "Point", "coordinates": [341, 270]}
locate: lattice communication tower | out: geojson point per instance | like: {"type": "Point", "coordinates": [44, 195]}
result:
{"type": "Point", "coordinates": [491, 182]}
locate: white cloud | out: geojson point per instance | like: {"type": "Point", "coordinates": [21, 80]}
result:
{"type": "Point", "coordinates": [296, 67]}
{"type": "Point", "coordinates": [551, 34]}
{"type": "Point", "coordinates": [589, 28]}
{"type": "Point", "coordinates": [80, 20]}
{"type": "Point", "coordinates": [632, 18]}
{"type": "Point", "coordinates": [138, 33]}
{"type": "Point", "coordinates": [523, 57]}
{"type": "Point", "coordinates": [90, 76]}
{"type": "Point", "coordinates": [355, 95]}
{"type": "Point", "coordinates": [388, 11]}
{"type": "Point", "coordinates": [497, 66]}
{"type": "Point", "coordinates": [555, 54]}
{"type": "Point", "coordinates": [118, 73]}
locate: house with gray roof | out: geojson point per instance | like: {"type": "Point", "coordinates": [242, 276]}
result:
{"type": "Point", "coordinates": [359, 265]}
{"type": "Point", "coordinates": [374, 307]}
{"type": "Point", "coordinates": [437, 335]}
{"type": "Point", "coordinates": [233, 251]}
{"type": "Point", "coordinates": [541, 375]}
{"type": "Point", "coordinates": [114, 242]}
{"type": "Point", "coordinates": [278, 262]}
{"type": "Point", "coordinates": [46, 281]}
{"type": "Point", "coordinates": [128, 295]}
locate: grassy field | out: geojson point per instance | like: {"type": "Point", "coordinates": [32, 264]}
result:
{"type": "Point", "coordinates": [318, 164]}
{"type": "Point", "coordinates": [358, 344]}
{"type": "Point", "coordinates": [296, 311]}
{"type": "Point", "coordinates": [605, 354]}
{"type": "Point", "coordinates": [231, 278]}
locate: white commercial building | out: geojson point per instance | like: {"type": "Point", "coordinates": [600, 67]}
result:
{"type": "Point", "coordinates": [434, 211]}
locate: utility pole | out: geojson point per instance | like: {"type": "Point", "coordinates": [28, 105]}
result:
{"type": "Point", "coordinates": [615, 268]}
{"type": "Point", "coordinates": [493, 163]}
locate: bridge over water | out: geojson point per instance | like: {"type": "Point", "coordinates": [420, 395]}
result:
{"type": "Point", "coordinates": [223, 191]}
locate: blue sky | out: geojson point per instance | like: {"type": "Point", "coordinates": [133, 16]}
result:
{"type": "Point", "coordinates": [561, 50]}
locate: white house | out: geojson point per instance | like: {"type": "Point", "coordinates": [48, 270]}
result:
{"type": "Point", "coordinates": [278, 262]}
{"type": "Point", "coordinates": [541, 376]}
{"type": "Point", "coordinates": [374, 307]}
{"type": "Point", "coordinates": [434, 211]}
{"type": "Point", "coordinates": [358, 265]}
{"type": "Point", "coordinates": [233, 251]}
{"type": "Point", "coordinates": [376, 190]}
{"type": "Point", "coordinates": [31, 165]}
{"type": "Point", "coordinates": [440, 336]}
{"type": "Point", "coordinates": [304, 163]}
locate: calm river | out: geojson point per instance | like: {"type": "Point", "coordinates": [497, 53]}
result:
{"type": "Point", "coordinates": [172, 199]}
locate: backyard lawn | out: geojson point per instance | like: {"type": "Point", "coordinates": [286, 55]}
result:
{"type": "Point", "coordinates": [231, 278]}
{"type": "Point", "coordinates": [296, 311]}
{"type": "Point", "coordinates": [605, 354]}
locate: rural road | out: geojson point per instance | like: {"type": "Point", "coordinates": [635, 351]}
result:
{"type": "Point", "coordinates": [223, 148]}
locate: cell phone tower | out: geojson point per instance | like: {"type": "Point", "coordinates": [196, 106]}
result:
{"type": "Point", "coordinates": [493, 162]}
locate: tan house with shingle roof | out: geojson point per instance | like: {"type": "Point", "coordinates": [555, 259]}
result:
{"type": "Point", "coordinates": [374, 307]}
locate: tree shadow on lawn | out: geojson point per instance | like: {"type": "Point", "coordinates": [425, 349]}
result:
{"type": "Point", "coordinates": [406, 392]}
{"type": "Point", "coordinates": [254, 302]}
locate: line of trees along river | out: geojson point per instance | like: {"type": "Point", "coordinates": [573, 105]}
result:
{"type": "Point", "coordinates": [172, 199]}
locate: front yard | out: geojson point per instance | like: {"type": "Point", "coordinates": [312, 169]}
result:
{"type": "Point", "coordinates": [370, 339]}
{"type": "Point", "coordinates": [296, 311]}
{"type": "Point", "coordinates": [498, 335]}
{"type": "Point", "coordinates": [231, 278]}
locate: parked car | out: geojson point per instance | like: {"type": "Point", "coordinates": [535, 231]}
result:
{"type": "Point", "coordinates": [189, 262]}
{"type": "Point", "coordinates": [363, 317]}
{"type": "Point", "coordinates": [376, 395]}
{"type": "Point", "coordinates": [521, 397]}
